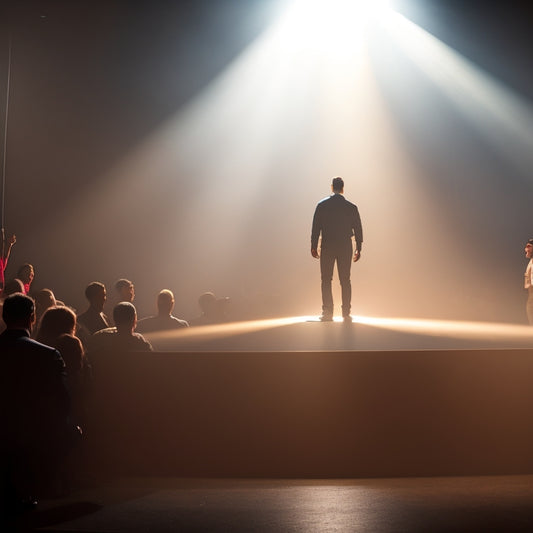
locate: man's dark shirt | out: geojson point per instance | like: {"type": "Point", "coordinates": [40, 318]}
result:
{"type": "Point", "coordinates": [35, 403]}
{"type": "Point", "coordinates": [93, 321]}
{"type": "Point", "coordinates": [160, 323]}
{"type": "Point", "coordinates": [337, 220]}
{"type": "Point", "coordinates": [110, 340]}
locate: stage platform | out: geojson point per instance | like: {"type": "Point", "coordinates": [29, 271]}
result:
{"type": "Point", "coordinates": [317, 400]}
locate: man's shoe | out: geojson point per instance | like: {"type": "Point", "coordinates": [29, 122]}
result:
{"type": "Point", "coordinates": [347, 318]}
{"type": "Point", "coordinates": [326, 318]}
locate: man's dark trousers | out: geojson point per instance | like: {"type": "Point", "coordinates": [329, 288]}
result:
{"type": "Point", "coordinates": [342, 254]}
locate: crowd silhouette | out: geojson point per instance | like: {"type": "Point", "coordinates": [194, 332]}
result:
{"type": "Point", "coordinates": [47, 349]}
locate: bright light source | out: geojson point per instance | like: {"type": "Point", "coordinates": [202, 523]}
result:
{"type": "Point", "coordinates": [333, 25]}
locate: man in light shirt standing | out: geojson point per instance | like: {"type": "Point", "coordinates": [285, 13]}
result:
{"type": "Point", "coordinates": [528, 280]}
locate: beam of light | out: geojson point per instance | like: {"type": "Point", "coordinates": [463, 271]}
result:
{"type": "Point", "coordinates": [499, 114]}
{"type": "Point", "coordinates": [289, 112]}
{"type": "Point", "coordinates": [280, 111]}
{"type": "Point", "coordinates": [450, 328]}
{"type": "Point", "coordinates": [218, 331]}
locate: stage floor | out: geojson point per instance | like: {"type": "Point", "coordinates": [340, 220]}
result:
{"type": "Point", "coordinates": [495, 504]}
{"type": "Point", "coordinates": [364, 334]}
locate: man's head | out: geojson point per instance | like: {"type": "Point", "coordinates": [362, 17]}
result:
{"type": "Point", "coordinates": [529, 249]}
{"type": "Point", "coordinates": [125, 289]}
{"type": "Point", "coordinates": [125, 317]}
{"type": "Point", "coordinates": [213, 307]}
{"type": "Point", "coordinates": [337, 185]}
{"type": "Point", "coordinates": [96, 294]}
{"type": "Point", "coordinates": [165, 302]}
{"type": "Point", "coordinates": [26, 273]}
{"type": "Point", "coordinates": [18, 311]}
{"type": "Point", "coordinates": [56, 321]}
{"type": "Point", "coordinates": [45, 298]}
{"type": "Point", "coordinates": [12, 286]}
{"type": "Point", "coordinates": [207, 302]}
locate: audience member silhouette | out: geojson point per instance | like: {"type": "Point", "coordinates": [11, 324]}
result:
{"type": "Point", "coordinates": [4, 255]}
{"type": "Point", "coordinates": [44, 299]}
{"type": "Point", "coordinates": [214, 310]}
{"type": "Point", "coordinates": [11, 287]}
{"type": "Point", "coordinates": [122, 337]}
{"type": "Point", "coordinates": [79, 374]}
{"type": "Point", "coordinates": [164, 319]}
{"type": "Point", "coordinates": [26, 273]}
{"type": "Point", "coordinates": [125, 290]}
{"type": "Point", "coordinates": [56, 321]}
{"type": "Point", "coordinates": [94, 319]}
{"type": "Point", "coordinates": [35, 405]}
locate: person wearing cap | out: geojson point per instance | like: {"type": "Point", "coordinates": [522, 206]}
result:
{"type": "Point", "coordinates": [336, 221]}
{"type": "Point", "coordinates": [528, 280]}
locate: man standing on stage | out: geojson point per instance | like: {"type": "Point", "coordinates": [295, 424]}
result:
{"type": "Point", "coordinates": [528, 280]}
{"type": "Point", "coordinates": [336, 220]}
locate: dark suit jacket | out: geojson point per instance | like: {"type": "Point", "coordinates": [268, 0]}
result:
{"type": "Point", "coordinates": [34, 401]}
{"type": "Point", "coordinates": [337, 220]}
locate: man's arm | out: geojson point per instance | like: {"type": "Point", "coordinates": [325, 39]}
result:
{"type": "Point", "coordinates": [315, 232]}
{"type": "Point", "coordinates": [10, 244]}
{"type": "Point", "coordinates": [358, 234]}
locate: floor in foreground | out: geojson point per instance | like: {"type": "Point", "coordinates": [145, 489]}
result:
{"type": "Point", "coordinates": [426, 505]}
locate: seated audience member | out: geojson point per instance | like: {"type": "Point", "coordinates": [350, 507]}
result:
{"type": "Point", "coordinates": [4, 256]}
{"type": "Point", "coordinates": [78, 373]}
{"type": "Point", "coordinates": [56, 321]}
{"type": "Point", "coordinates": [35, 403]}
{"type": "Point", "coordinates": [11, 287]}
{"type": "Point", "coordinates": [213, 310]}
{"type": "Point", "coordinates": [94, 319]}
{"type": "Point", "coordinates": [164, 319]}
{"type": "Point", "coordinates": [26, 274]}
{"type": "Point", "coordinates": [44, 299]}
{"type": "Point", "coordinates": [125, 290]}
{"type": "Point", "coordinates": [122, 337]}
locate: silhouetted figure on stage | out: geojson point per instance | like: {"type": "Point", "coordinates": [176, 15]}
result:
{"type": "Point", "coordinates": [214, 310]}
{"type": "Point", "coordinates": [336, 221]}
{"type": "Point", "coordinates": [528, 280]}
{"type": "Point", "coordinates": [94, 319]}
{"type": "Point", "coordinates": [164, 320]}
{"type": "Point", "coordinates": [34, 406]}
{"type": "Point", "coordinates": [26, 273]}
{"type": "Point", "coordinates": [122, 337]}
{"type": "Point", "coordinates": [5, 253]}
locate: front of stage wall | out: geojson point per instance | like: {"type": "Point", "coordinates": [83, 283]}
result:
{"type": "Point", "coordinates": [312, 414]}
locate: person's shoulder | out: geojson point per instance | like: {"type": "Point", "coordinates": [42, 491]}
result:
{"type": "Point", "coordinates": [141, 343]}
{"type": "Point", "coordinates": [105, 332]}
{"type": "Point", "coordinates": [324, 200]}
{"type": "Point", "coordinates": [22, 339]}
{"type": "Point", "coordinates": [178, 322]}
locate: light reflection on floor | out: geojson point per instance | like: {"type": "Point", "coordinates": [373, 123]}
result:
{"type": "Point", "coordinates": [364, 333]}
